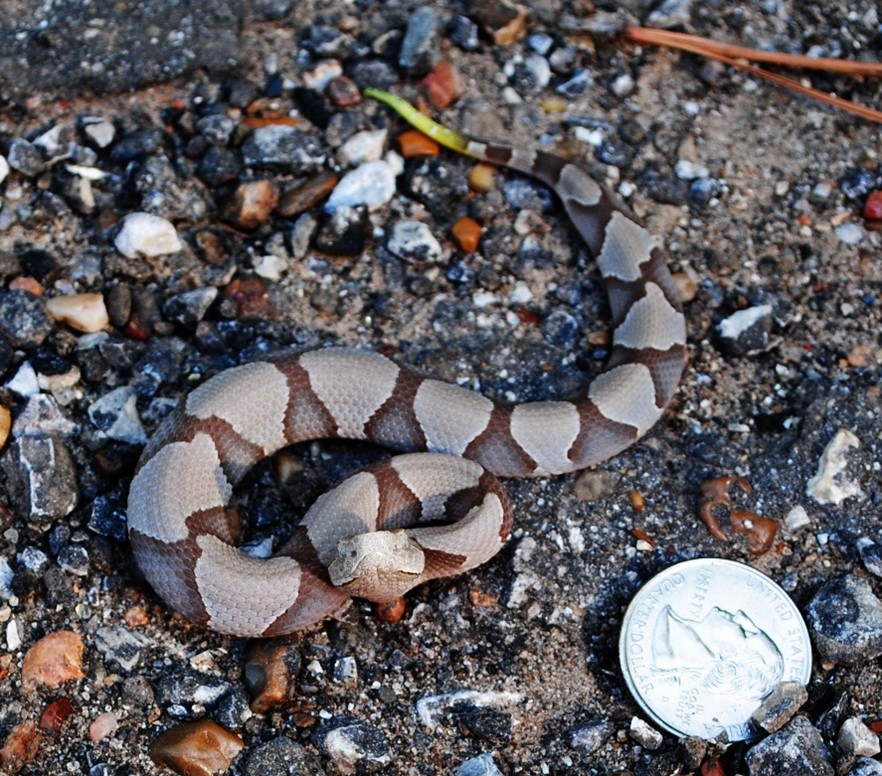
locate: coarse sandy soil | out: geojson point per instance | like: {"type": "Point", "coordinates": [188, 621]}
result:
{"type": "Point", "coordinates": [541, 620]}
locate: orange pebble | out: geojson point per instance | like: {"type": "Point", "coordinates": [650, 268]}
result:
{"type": "Point", "coordinates": [413, 143]}
{"type": "Point", "coordinates": [391, 611]}
{"type": "Point", "coordinates": [467, 233]}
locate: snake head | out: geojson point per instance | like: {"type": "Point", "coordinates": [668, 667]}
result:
{"type": "Point", "coordinates": [378, 566]}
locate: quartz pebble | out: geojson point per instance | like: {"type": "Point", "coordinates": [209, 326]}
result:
{"type": "Point", "coordinates": [352, 744]}
{"type": "Point", "coordinates": [285, 148]}
{"type": "Point", "coordinates": [24, 382]}
{"type": "Point", "coordinates": [589, 737]}
{"type": "Point", "coordinates": [84, 312]}
{"type": "Point", "coordinates": [845, 620]}
{"type": "Point", "coordinates": [366, 146]}
{"type": "Point", "coordinates": [144, 234]}
{"type": "Point", "coordinates": [252, 204]}
{"type": "Point", "coordinates": [829, 486]}
{"type": "Point", "coordinates": [644, 734]}
{"type": "Point", "coordinates": [104, 725]}
{"type": "Point", "coordinates": [371, 184]}
{"type": "Point", "coordinates": [4, 168]}
{"type": "Point", "coordinates": [871, 555]}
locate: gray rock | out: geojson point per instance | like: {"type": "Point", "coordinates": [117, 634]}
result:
{"type": "Point", "coordinates": [746, 331]}
{"type": "Point", "coordinates": [353, 744]}
{"type": "Point", "coordinates": [217, 128]}
{"type": "Point", "coordinates": [25, 157]}
{"type": "Point", "coordinates": [137, 145]}
{"type": "Point", "coordinates": [120, 647]}
{"type": "Point", "coordinates": [871, 555]}
{"type": "Point", "coordinates": [98, 131]}
{"type": "Point", "coordinates": [590, 736]}
{"type": "Point", "coordinates": [420, 51]}
{"type": "Point", "coordinates": [60, 51]}
{"type": "Point", "coordinates": [281, 756]}
{"type": "Point", "coordinates": [41, 478]}
{"type": "Point", "coordinates": [34, 559]}
{"type": "Point", "coordinates": [575, 86]}
{"type": "Point", "coordinates": [185, 692]}
{"type": "Point", "coordinates": [855, 740]}
{"type": "Point", "coordinates": [24, 321]}
{"type": "Point", "coordinates": [284, 148]}
{"type": "Point", "coordinates": [864, 766]}
{"type": "Point", "coordinates": [42, 416]}
{"type": "Point", "coordinates": [464, 33]}
{"type": "Point", "coordinates": [116, 414]}
{"type": "Point", "coordinates": [414, 242]}
{"type": "Point", "coordinates": [845, 620]}
{"type": "Point", "coordinates": [779, 707]}
{"type": "Point", "coordinates": [190, 307]}
{"type": "Point", "coordinates": [6, 575]}
{"type": "Point", "coordinates": [74, 559]}
{"type": "Point", "coordinates": [796, 750]}
{"type": "Point", "coordinates": [482, 765]}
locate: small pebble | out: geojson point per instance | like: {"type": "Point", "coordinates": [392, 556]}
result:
{"type": "Point", "coordinates": [252, 204]}
{"type": "Point", "coordinates": [322, 74]}
{"type": "Point", "coordinates": [122, 648]}
{"type": "Point", "coordinates": [829, 485]}
{"type": "Point", "coordinates": [148, 235]}
{"type": "Point", "coordinates": [687, 171]}
{"type": "Point", "coordinates": [845, 620]}
{"type": "Point", "coordinates": [856, 740]}
{"type": "Point", "coordinates": [850, 234]}
{"type": "Point", "coordinates": [796, 750]}
{"type": "Point", "coordinates": [116, 414]}
{"type": "Point", "coordinates": [420, 47]}
{"type": "Point", "coordinates": [41, 478]}
{"type": "Point", "coordinates": [352, 744]}
{"type": "Point", "coordinates": [591, 736]}
{"type": "Point", "coordinates": [21, 747]}
{"type": "Point", "coordinates": [53, 660]}
{"type": "Point", "coordinates": [104, 725]}
{"type": "Point", "coordinates": [99, 132]}
{"type": "Point", "coordinates": [780, 706]}
{"type": "Point", "coordinates": [366, 146]}
{"type": "Point", "coordinates": [414, 242]}
{"type": "Point", "coordinates": [198, 748]}
{"type": "Point", "coordinates": [281, 756]}
{"type": "Point", "coordinates": [464, 33]}
{"type": "Point", "coordinates": [25, 158]}
{"type": "Point", "coordinates": [83, 312]}
{"type": "Point", "coordinates": [270, 674]}
{"type": "Point", "coordinates": [871, 555]}
{"type": "Point", "coordinates": [865, 766]}
{"type": "Point", "coordinates": [443, 85]}
{"type": "Point", "coordinates": [482, 765]}
{"type": "Point", "coordinates": [797, 518]}
{"type": "Point", "coordinates": [190, 307]}
{"type": "Point", "coordinates": [371, 184]}
{"type": "Point", "coordinates": [5, 424]}
{"type": "Point", "coordinates": [343, 92]}
{"type": "Point", "coordinates": [4, 168]}
{"type": "Point", "coordinates": [283, 147]}
{"type": "Point", "coordinates": [746, 331]}
{"type": "Point", "coordinates": [644, 734]}
{"type": "Point", "coordinates": [24, 321]}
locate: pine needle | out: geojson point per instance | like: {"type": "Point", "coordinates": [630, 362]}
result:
{"type": "Point", "coordinates": [741, 57]}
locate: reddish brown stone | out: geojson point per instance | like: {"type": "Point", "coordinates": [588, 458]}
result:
{"type": "Point", "coordinates": [443, 85]}
{"type": "Point", "coordinates": [413, 143]}
{"type": "Point", "coordinates": [270, 674]}
{"type": "Point", "coordinates": [198, 748]}
{"type": "Point", "coordinates": [251, 299]}
{"type": "Point", "coordinates": [873, 206]}
{"type": "Point", "coordinates": [55, 715]}
{"type": "Point", "coordinates": [343, 92]}
{"type": "Point", "coordinates": [21, 747]}
{"type": "Point", "coordinates": [53, 660]}
{"type": "Point", "coordinates": [252, 204]}
{"type": "Point", "coordinates": [391, 611]}
{"type": "Point", "coordinates": [307, 195]}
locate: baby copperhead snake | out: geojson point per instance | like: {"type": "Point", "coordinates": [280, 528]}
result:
{"type": "Point", "coordinates": [417, 516]}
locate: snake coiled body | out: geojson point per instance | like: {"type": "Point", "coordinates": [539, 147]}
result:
{"type": "Point", "coordinates": [415, 517]}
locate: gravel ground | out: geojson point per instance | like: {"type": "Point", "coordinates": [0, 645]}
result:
{"type": "Point", "coordinates": [759, 198]}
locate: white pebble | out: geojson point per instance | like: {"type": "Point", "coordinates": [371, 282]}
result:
{"type": "Point", "coordinates": [623, 85]}
{"type": "Point", "coordinates": [850, 234]}
{"type": "Point", "coordinates": [483, 299]}
{"type": "Point", "coordinates": [25, 382]}
{"type": "Point", "coordinates": [539, 69]}
{"type": "Point", "coordinates": [689, 171]}
{"type": "Point", "coordinates": [270, 267]}
{"type": "Point", "coordinates": [363, 147]}
{"type": "Point", "coordinates": [148, 235]}
{"type": "Point", "coordinates": [84, 312]}
{"type": "Point", "coordinates": [323, 73]}
{"type": "Point", "coordinates": [414, 241]}
{"type": "Point", "coordinates": [13, 637]}
{"type": "Point", "coordinates": [4, 168]}
{"type": "Point", "coordinates": [797, 518]}
{"type": "Point", "coordinates": [371, 184]}
{"type": "Point", "coordinates": [735, 324]}
{"type": "Point", "coordinates": [520, 294]}
{"type": "Point", "coordinates": [828, 486]}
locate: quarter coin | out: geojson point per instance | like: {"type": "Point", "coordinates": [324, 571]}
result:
{"type": "Point", "coordinates": [705, 641]}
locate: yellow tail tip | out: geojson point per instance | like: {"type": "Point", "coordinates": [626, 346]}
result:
{"type": "Point", "coordinates": [430, 128]}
